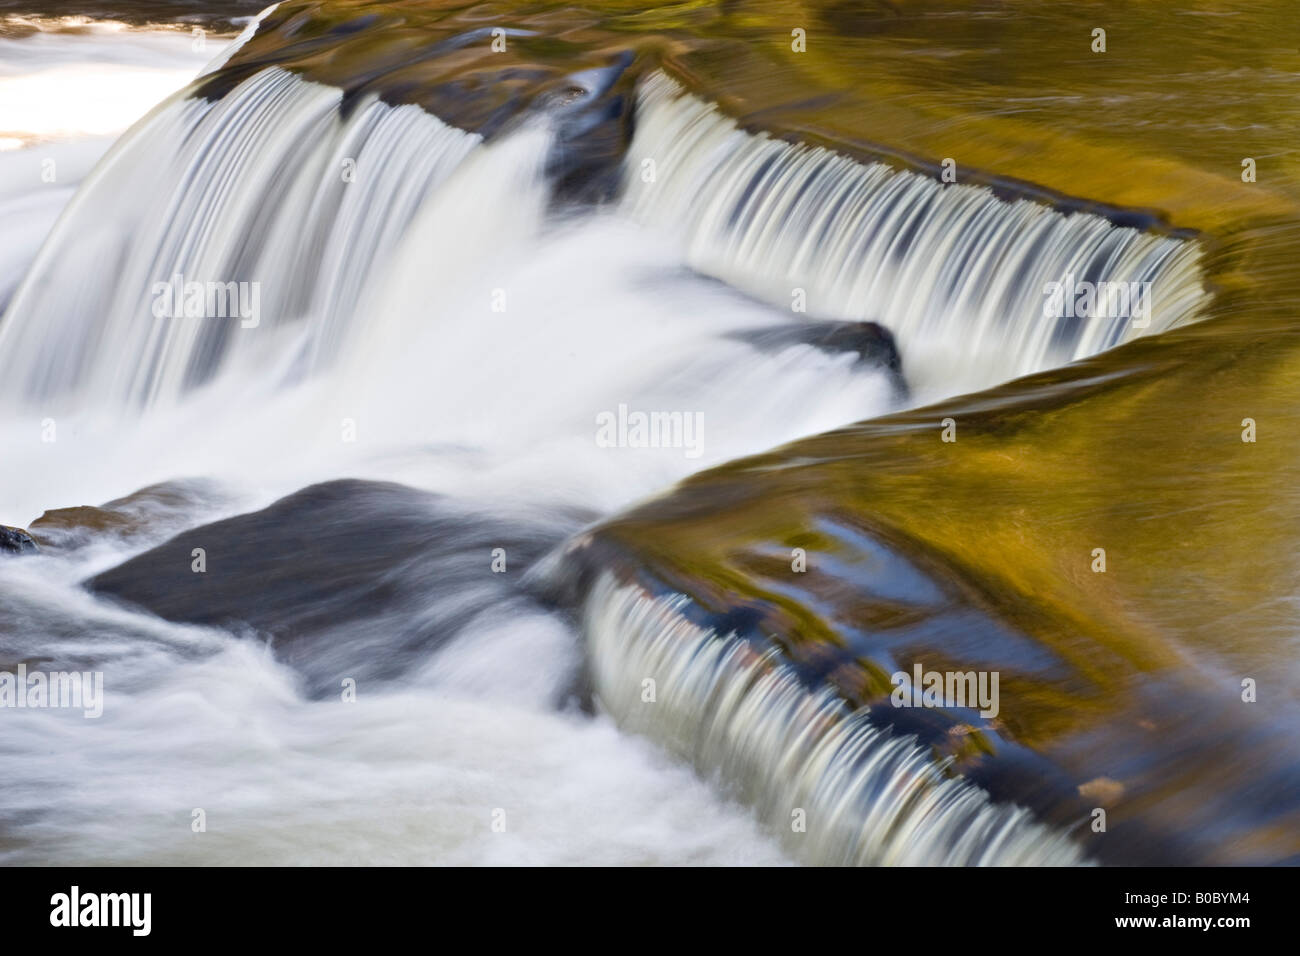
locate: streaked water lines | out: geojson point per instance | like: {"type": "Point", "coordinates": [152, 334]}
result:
{"type": "Point", "coordinates": [935, 263]}
{"type": "Point", "coordinates": [868, 798]}
{"type": "Point", "coordinates": [270, 184]}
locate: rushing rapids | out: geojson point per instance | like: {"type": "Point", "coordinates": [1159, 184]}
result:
{"type": "Point", "coordinates": [372, 282]}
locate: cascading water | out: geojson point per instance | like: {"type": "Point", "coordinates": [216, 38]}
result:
{"type": "Point", "coordinates": [427, 313]}
{"type": "Point", "coordinates": [937, 263]}
{"type": "Point", "coordinates": [862, 797]}
{"type": "Point", "coordinates": [267, 161]}
{"type": "Point", "coordinates": [265, 409]}
{"type": "Point", "coordinates": [66, 96]}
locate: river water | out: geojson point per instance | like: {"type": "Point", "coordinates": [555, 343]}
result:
{"type": "Point", "coordinates": [448, 347]}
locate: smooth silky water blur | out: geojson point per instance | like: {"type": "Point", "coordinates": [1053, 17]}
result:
{"type": "Point", "coordinates": [379, 355]}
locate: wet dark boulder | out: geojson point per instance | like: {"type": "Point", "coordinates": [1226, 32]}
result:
{"type": "Point", "coordinates": [873, 343]}
{"type": "Point", "coordinates": [16, 541]}
{"type": "Point", "coordinates": [346, 578]}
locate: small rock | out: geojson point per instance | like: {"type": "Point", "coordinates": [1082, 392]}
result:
{"type": "Point", "coordinates": [1104, 790]}
{"type": "Point", "coordinates": [150, 510]}
{"type": "Point", "coordinates": [16, 541]}
{"type": "Point", "coordinates": [873, 343]}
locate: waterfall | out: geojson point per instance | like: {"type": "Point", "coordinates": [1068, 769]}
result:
{"type": "Point", "coordinates": [866, 797]}
{"type": "Point", "coordinates": [946, 266]}
{"type": "Point", "coordinates": [956, 273]}
{"type": "Point", "coordinates": [270, 185]}
{"type": "Point", "coordinates": [376, 236]}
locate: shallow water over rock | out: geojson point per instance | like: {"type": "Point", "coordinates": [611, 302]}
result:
{"type": "Point", "coordinates": [477, 233]}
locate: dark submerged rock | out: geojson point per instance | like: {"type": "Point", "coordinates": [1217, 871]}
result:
{"type": "Point", "coordinates": [346, 578]}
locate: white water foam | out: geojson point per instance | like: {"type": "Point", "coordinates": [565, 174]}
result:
{"type": "Point", "coordinates": [198, 719]}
